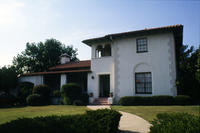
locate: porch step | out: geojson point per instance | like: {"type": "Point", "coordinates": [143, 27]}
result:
{"type": "Point", "coordinates": [101, 101]}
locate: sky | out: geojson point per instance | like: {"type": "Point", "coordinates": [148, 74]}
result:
{"type": "Point", "coordinates": [71, 21]}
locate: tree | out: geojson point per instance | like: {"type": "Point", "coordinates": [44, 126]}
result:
{"type": "Point", "coordinates": [41, 56]}
{"type": "Point", "coordinates": [8, 78]}
{"type": "Point", "coordinates": [198, 65]}
{"type": "Point", "coordinates": [187, 79]}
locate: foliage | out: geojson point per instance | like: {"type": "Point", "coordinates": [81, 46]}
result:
{"type": "Point", "coordinates": [154, 100]}
{"type": "Point", "coordinates": [6, 99]}
{"type": "Point", "coordinates": [24, 90]}
{"type": "Point", "coordinates": [34, 100]}
{"type": "Point", "coordinates": [56, 93]}
{"type": "Point", "coordinates": [176, 123]}
{"type": "Point", "coordinates": [99, 121]}
{"type": "Point", "coordinates": [44, 91]}
{"type": "Point", "coordinates": [8, 78]}
{"type": "Point", "coordinates": [149, 100]}
{"type": "Point", "coordinates": [182, 100]}
{"type": "Point", "coordinates": [72, 92]}
{"type": "Point", "coordinates": [108, 120]}
{"type": "Point", "coordinates": [41, 56]}
{"type": "Point", "coordinates": [198, 65]}
{"type": "Point", "coordinates": [188, 81]}
{"type": "Point", "coordinates": [78, 103]}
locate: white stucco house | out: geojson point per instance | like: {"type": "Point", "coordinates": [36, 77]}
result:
{"type": "Point", "coordinates": [135, 63]}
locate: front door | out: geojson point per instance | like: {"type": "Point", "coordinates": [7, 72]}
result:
{"type": "Point", "coordinates": [104, 85]}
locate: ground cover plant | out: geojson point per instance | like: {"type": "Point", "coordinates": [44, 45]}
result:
{"type": "Point", "coordinates": [175, 123]}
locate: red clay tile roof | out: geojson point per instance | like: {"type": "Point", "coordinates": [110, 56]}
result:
{"type": "Point", "coordinates": [55, 72]}
{"type": "Point", "coordinates": [176, 29]}
{"type": "Point", "coordinates": [71, 67]}
{"type": "Point", "coordinates": [79, 64]}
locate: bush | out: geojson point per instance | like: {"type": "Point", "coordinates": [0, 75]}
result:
{"type": "Point", "coordinates": [100, 121]}
{"type": "Point", "coordinates": [24, 90]}
{"type": "Point", "coordinates": [34, 100]}
{"type": "Point", "coordinates": [149, 100]}
{"type": "Point", "coordinates": [43, 91]}
{"type": "Point", "coordinates": [108, 120]}
{"type": "Point", "coordinates": [56, 93]}
{"type": "Point", "coordinates": [176, 123]}
{"type": "Point", "coordinates": [182, 100]}
{"type": "Point", "coordinates": [78, 103]}
{"type": "Point", "coordinates": [162, 100]}
{"type": "Point", "coordinates": [6, 99]}
{"type": "Point", "coordinates": [72, 92]}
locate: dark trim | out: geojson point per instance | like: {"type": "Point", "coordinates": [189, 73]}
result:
{"type": "Point", "coordinates": [144, 87]}
{"type": "Point", "coordinates": [137, 50]}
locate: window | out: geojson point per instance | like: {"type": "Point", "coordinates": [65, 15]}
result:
{"type": "Point", "coordinates": [143, 83]}
{"type": "Point", "coordinates": [107, 50]}
{"type": "Point", "coordinates": [101, 52]}
{"type": "Point", "coordinates": [141, 45]}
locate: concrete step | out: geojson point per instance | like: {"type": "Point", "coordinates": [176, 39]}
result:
{"type": "Point", "coordinates": [101, 101]}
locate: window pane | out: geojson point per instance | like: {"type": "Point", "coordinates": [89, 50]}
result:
{"type": "Point", "coordinates": [142, 45]}
{"type": "Point", "coordinates": [143, 83]}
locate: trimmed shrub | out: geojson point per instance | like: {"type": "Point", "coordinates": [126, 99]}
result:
{"type": "Point", "coordinates": [34, 100]}
{"type": "Point", "coordinates": [72, 92]}
{"type": "Point", "coordinates": [78, 103]}
{"type": "Point", "coordinates": [56, 93]}
{"type": "Point", "coordinates": [175, 123]}
{"type": "Point", "coordinates": [6, 99]}
{"type": "Point", "coordinates": [100, 121]}
{"type": "Point", "coordinates": [24, 90]}
{"type": "Point", "coordinates": [161, 100]}
{"type": "Point", "coordinates": [108, 120]}
{"type": "Point", "coordinates": [149, 100]}
{"type": "Point", "coordinates": [182, 100]}
{"type": "Point", "coordinates": [43, 91]}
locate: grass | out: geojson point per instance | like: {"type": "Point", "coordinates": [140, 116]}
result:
{"type": "Point", "coordinates": [8, 114]}
{"type": "Point", "coordinates": [149, 112]}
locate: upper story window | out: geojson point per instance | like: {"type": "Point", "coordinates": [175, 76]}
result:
{"type": "Point", "coordinates": [141, 45]}
{"type": "Point", "coordinates": [103, 51]}
{"type": "Point", "coordinates": [99, 51]}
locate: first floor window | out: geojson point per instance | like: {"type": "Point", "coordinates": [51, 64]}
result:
{"type": "Point", "coordinates": [143, 83]}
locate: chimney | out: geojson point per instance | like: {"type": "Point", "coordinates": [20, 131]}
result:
{"type": "Point", "coordinates": [64, 58]}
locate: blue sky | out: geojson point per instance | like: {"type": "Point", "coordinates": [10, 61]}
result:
{"type": "Point", "coordinates": [71, 21]}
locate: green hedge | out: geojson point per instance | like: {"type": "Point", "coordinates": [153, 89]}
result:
{"type": "Point", "coordinates": [35, 100]}
{"type": "Point", "coordinates": [24, 90]}
{"type": "Point", "coordinates": [176, 123]}
{"type": "Point", "coordinates": [154, 100]}
{"type": "Point", "coordinates": [71, 92]}
{"type": "Point", "coordinates": [182, 100]}
{"type": "Point", "coordinates": [44, 92]}
{"type": "Point", "coordinates": [6, 99]}
{"type": "Point", "coordinates": [100, 121]}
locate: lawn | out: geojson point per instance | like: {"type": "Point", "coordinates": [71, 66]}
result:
{"type": "Point", "coordinates": [150, 112]}
{"type": "Point", "coordinates": [7, 114]}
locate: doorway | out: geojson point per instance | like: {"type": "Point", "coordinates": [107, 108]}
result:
{"type": "Point", "coordinates": [104, 85]}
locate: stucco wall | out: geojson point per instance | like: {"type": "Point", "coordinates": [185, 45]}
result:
{"type": "Point", "coordinates": [100, 66]}
{"type": "Point", "coordinates": [125, 61]}
{"type": "Point", "coordinates": [34, 79]}
{"type": "Point", "coordinates": [159, 60]}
